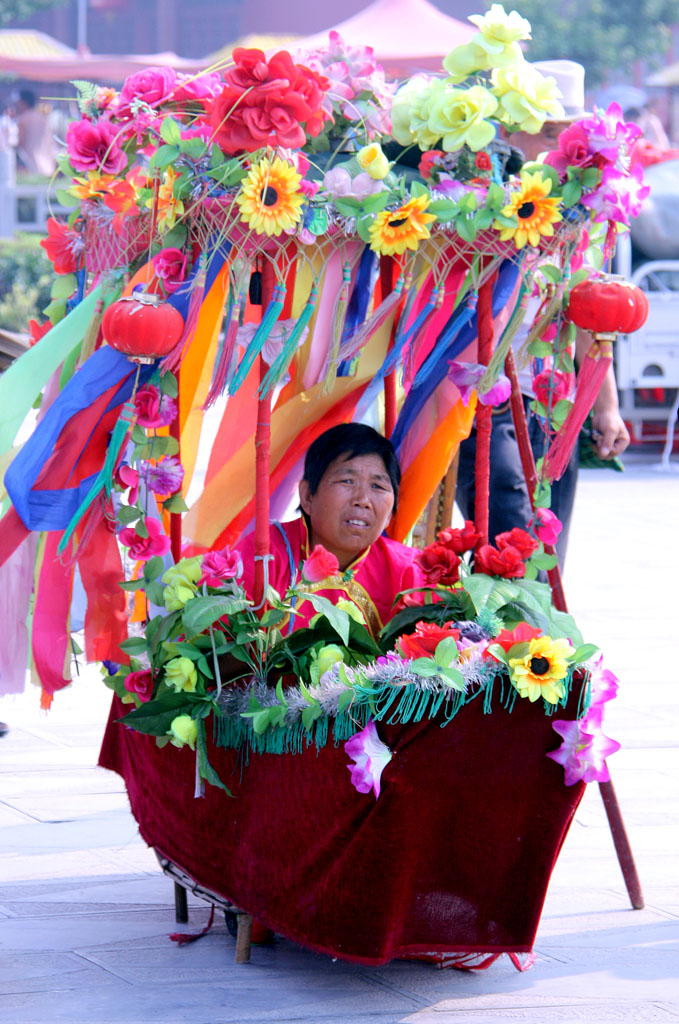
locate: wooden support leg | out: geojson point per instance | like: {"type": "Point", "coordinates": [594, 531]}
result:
{"type": "Point", "coordinates": [622, 846]}
{"type": "Point", "coordinates": [181, 909]}
{"type": "Point", "coordinates": [243, 938]}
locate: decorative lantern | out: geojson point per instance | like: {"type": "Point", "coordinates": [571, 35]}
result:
{"type": "Point", "coordinates": [142, 326]}
{"type": "Point", "coordinates": [607, 306]}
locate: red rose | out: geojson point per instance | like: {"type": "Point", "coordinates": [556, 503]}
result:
{"type": "Point", "coordinates": [519, 539]}
{"type": "Point", "coordinates": [426, 638]}
{"type": "Point", "coordinates": [483, 162]}
{"type": "Point", "coordinates": [508, 637]}
{"type": "Point", "coordinates": [507, 563]}
{"type": "Point", "coordinates": [550, 386]}
{"type": "Point", "coordinates": [439, 564]}
{"type": "Point", "coordinates": [140, 683]}
{"type": "Point", "coordinates": [462, 540]}
{"type": "Point", "coordinates": [416, 600]}
{"type": "Point", "coordinates": [319, 565]}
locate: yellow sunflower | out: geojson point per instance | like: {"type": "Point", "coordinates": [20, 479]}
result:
{"type": "Point", "coordinates": [536, 213]}
{"type": "Point", "coordinates": [270, 200]}
{"type": "Point", "coordinates": [394, 231]}
{"type": "Point", "coordinates": [541, 671]}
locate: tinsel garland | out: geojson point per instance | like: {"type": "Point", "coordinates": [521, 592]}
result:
{"type": "Point", "coordinates": [386, 691]}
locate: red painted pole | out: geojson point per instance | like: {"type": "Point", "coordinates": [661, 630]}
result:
{"type": "Point", "coordinates": [484, 314]}
{"type": "Point", "coordinates": [262, 448]}
{"type": "Point", "coordinates": [176, 517]}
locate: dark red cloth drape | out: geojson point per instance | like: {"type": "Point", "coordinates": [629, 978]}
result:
{"type": "Point", "coordinates": [455, 855]}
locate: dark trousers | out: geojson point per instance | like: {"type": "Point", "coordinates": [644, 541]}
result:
{"type": "Point", "coordinates": [509, 504]}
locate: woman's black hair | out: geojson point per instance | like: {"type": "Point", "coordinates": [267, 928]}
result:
{"type": "Point", "coordinates": [349, 440]}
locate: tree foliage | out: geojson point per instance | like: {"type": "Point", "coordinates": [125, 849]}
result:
{"type": "Point", "coordinates": [601, 35]}
{"type": "Point", "coordinates": [19, 10]}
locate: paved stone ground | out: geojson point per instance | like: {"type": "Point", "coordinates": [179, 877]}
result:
{"type": "Point", "coordinates": [85, 912]}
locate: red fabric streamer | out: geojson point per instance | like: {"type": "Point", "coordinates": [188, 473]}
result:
{"type": "Point", "coordinates": [101, 571]}
{"type": "Point", "coordinates": [183, 938]}
{"type": "Point", "coordinates": [484, 412]}
{"type": "Point", "coordinates": [50, 637]}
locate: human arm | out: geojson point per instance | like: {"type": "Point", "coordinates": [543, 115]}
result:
{"type": "Point", "coordinates": [610, 434]}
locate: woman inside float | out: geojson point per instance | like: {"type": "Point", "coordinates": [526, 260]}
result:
{"type": "Point", "coordinates": [348, 494]}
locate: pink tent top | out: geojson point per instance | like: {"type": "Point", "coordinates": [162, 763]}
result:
{"type": "Point", "coordinates": [405, 34]}
{"type": "Point", "coordinates": [107, 68]}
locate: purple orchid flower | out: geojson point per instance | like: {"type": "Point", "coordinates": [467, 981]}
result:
{"type": "Point", "coordinates": [371, 756]}
{"type": "Point", "coordinates": [584, 749]}
{"type": "Point", "coordinates": [603, 684]}
{"type": "Point", "coordinates": [619, 196]}
{"type": "Point", "coordinates": [466, 376]}
{"type": "Point", "coordinates": [609, 132]}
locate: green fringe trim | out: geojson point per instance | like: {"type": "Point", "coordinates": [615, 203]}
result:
{"type": "Point", "coordinates": [391, 704]}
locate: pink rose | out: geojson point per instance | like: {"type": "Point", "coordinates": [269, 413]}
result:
{"type": "Point", "coordinates": [95, 147]}
{"type": "Point", "coordinates": [218, 566]}
{"type": "Point", "coordinates": [153, 86]}
{"type": "Point", "coordinates": [548, 526]}
{"type": "Point", "coordinates": [140, 683]}
{"type": "Point", "coordinates": [319, 565]}
{"type": "Point", "coordinates": [143, 548]}
{"type": "Point", "coordinates": [197, 87]}
{"type": "Point", "coordinates": [550, 386]}
{"type": "Point", "coordinates": [153, 409]}
{"type": "Point", "coordinates": [170, 266]}
{"type": "Point", "coordinates": [126, 477]}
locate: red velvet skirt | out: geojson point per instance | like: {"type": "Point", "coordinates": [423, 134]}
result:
{"type": "Point", "coordinates": [455, 855]}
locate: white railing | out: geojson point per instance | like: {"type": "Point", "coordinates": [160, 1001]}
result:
{"type": "Point", "coordinates": [23, 207]}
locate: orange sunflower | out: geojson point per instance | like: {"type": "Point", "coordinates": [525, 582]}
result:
{"type": "Point", "coordinates": [540, 672]}
{"type": "Point", "coordinates": [394, 231]}
{"type": "Point", "coordinates": [536, 212]}
{"type": "Point", "coordinates": [270, 199]}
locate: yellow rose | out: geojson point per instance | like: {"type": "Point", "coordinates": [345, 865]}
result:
{"type": "Point", "coordinates": [181, 674]}
{"type": "Point", "coordinates": [177, 594]}
{"type": "Point", "coordinates": [410, 112]}
{"type": "Point", "coordinates": [526, 97]}
{"type": "Point", "coordinates": [181, 580]}
{"type": "Point", "coordinates": [183, 730]}
{"type": "Point", "coordinates": [189, 569]}
{"type": "Point", "coordinates": [497, 29]}
{"type": "Point", "coordinates": [458, 117]}
{"type": "Point", "coordinates": [327, 657]}
{"type": "Point", "coordinates": [372, 159]}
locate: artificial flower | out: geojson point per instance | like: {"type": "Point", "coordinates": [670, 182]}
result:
{"type": "Point", "coordinates": [95, 146]}
{"type": "Point", "coordinates": [551, 386]}
{"type": "Point", "coordinates": [351, 609]}
{"type": "Point", "coordinates": [218, 566]}
{"type": "Point", "coordinates": [181, 674]}
{"type": "Point", "coordinates": [151, 86]}
{"type": "Point", "coordinates": [584, 749]}
{"type": "Point", "coordinates": [93, 186]}
{"type": "Point", "coordinates": [535, 210]}
{"type": "Point", "coordinates": [429, 160]}
{"type": "Point", "coordinates": [141, 549]}
{"type": "Point", "coordinates": [319, 565]}
{"type": "Point", "coordinates": [184, 731]}
{"type": "Point", "coordinates": [619, 196]}
{"type": "Point", "coordinates": [603, 684]}
{"type": "Point", "coordinates": [411, 109]}
{"type": "Point", "coordinates": [37, 330]}
{"type": "Point", "coordinates": [547, 526]}
{"type": "Point", "coordinates": [140, 683]}
{"type": "Point", "coordinates": [112, 667]}
{"type": "Point", "coordinates": [459, 117]}
{"type": "Point", "coordinates": [165, 477]}
{"type": "Point", "coordinates": [608, 134]}
{"type": "Point", "coordinates": [128, 477]}
{"type": "Point", "coordinates": [507, 563]}
{"type": "Point", "coordinates": [168, 207]}
{"type": "Point", "coordinates": [519, 539]}
{"type": "Point", "coordinates": [191, 88]}
{"type": "Point", "coordinates": [466, 377]}
{"type": "Point", "coordinates": [526, 98]}
{"type": "Point", "coordinates": [270, 199]}
{"type": "Point", "coordinates": [371, 757]}
{"type": "Point", "coordinates": [328, 656]}
{"type": "Point", "coordinates": [459, 539]}
{"type": "Point", "coordinates": [573, 149]}
{"type": "Point", "coordinates": [152, 409]}
{"type": "Point", "coordinates": [508, 638]}
{"type": "Point", "coordinates": [394, 231]}
{"type": "Point", "coordinates": [372, 160]}
{"type": "Point", "coordinates": [541, 670]}
{"type": "Point", "coordinates": [121, 197]}
{"type": "Point", "coordinates": [64, 247]}
{"type": "Point", "coordinates": [339, 182]}
{"type": "Point", "coordinates": [426, 638]}
{"type": "Point", "coordinates": [170, 266]}
{"type": "Point", "coordinates": [440, 565]}
{"type": "Point", "coordinates": [181, 582]}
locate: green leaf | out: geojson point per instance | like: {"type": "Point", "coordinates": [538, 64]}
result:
{"type": "Point", "coordinates": [531, 572]}
{"type": "Point", "coordinates": [444, 210]}
{"type": "Point", "coordinates": [134, 645]}
{"type": "Point", "coordinates": [175, 504]}
{"type": "Point", "coordinates": [155, 592]}
{"type": "Point", "coordinates": [479, 587]}
{"type": "Point", "coordinates": [347, 206]}
{"type": "Point", "coordinates": [543, 561]}
{"type": "Point", "coordinates": [363, 229]}
{"type": "Point", "coordinates": [194, 148]}
{"type": "Point", "coordinates": [202, 612]}
{"type": "Point", "coordinates": [376, 202]}
{"type": "Point", "coordinates": [498, 652]}
{"type": "Point", "coordinates": [168, 381]}
{"type": "Point", "coordinates": [446, 652]}
{"type": "Point", "coordinates": [338, 619]}
{"type": "Point", "coordinates": [64, 198]}
{"type": "Point", "coordinates": [551, 272]}
{"type": "Point", "coordinates": [153, 568]}
{"type": "Point", "coordinates": [417, 189]}
{"type": "Point", "coordinates": [540, 349]}
{"type": "Point", "coordinates": [163, 157]}
{"type": "Point", "coordinates": [424, 667]}
{"type": "Point", "coordinates": [205, 769]}
{"type": "Point", "coordinates": [310, 714]}
{"type": "Point", "coordinates": [483, 219]}
{"type": "Point", "coordinates": [170, 131]}
{"type": "Point", "coordinates": [465, 229]}
{"type": "Point", "coordinates": [571, 193]}
{"type": "Point", "coordinates": [590, 177]}
{"type": "Point", "coordinates": [128, 514]}
{"type": "Point", "coordinates": [454, 677]}
{"type": "Point", "coordinates": [261, 721]}
{"type": "Point", "coordinates": [279, 693]}
{"type": "Point", "coordinates": [345, 699]}
{"type": "Point", "coordinates": [506, 222]}
{"type": "Point", "coordinates": [55, 310]}
{"type": "Point", "coordinates": [155, 717]}
{"type": "Point", "coordinates": [138, 434]}
{"type": "Point", "coordinates": [584, 652]}
{"type": "Point", "coordinates": [174, 239]}
{"type": "Point", "coordinates": [141, 529]}
{"type": "Point", "coordinates": [132, 584]}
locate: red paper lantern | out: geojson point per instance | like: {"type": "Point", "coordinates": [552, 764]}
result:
{"type": "Point", "coordinates": [142, 327]}
{"type": "Point", "coordinates": [607, 306]}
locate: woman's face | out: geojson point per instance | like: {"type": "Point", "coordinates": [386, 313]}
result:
{"type": "Point", "coordinates": [351, 506]}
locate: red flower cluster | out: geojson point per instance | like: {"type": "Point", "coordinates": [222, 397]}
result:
{"type": "Point", "coordinates": [508, 559]}
{"type": "Point", "coordinates": [462, 540]}
{"type": "Point", "coordinates": [507, 638]}
{"type": "Point", "coordinates": [267, 103]}
{"type": "Point", "coordinates": [426, 638]}
{"type": "Point", "coordinates": [440, 565]}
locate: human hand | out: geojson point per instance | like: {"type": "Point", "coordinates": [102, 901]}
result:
{"type": "Point", "coordinates": [609, 433]}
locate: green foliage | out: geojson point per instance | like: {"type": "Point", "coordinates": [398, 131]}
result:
{"type": "Point", "coordinates": [598, 35]}
{"type": "Point", "coordinates": [26, 279]}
